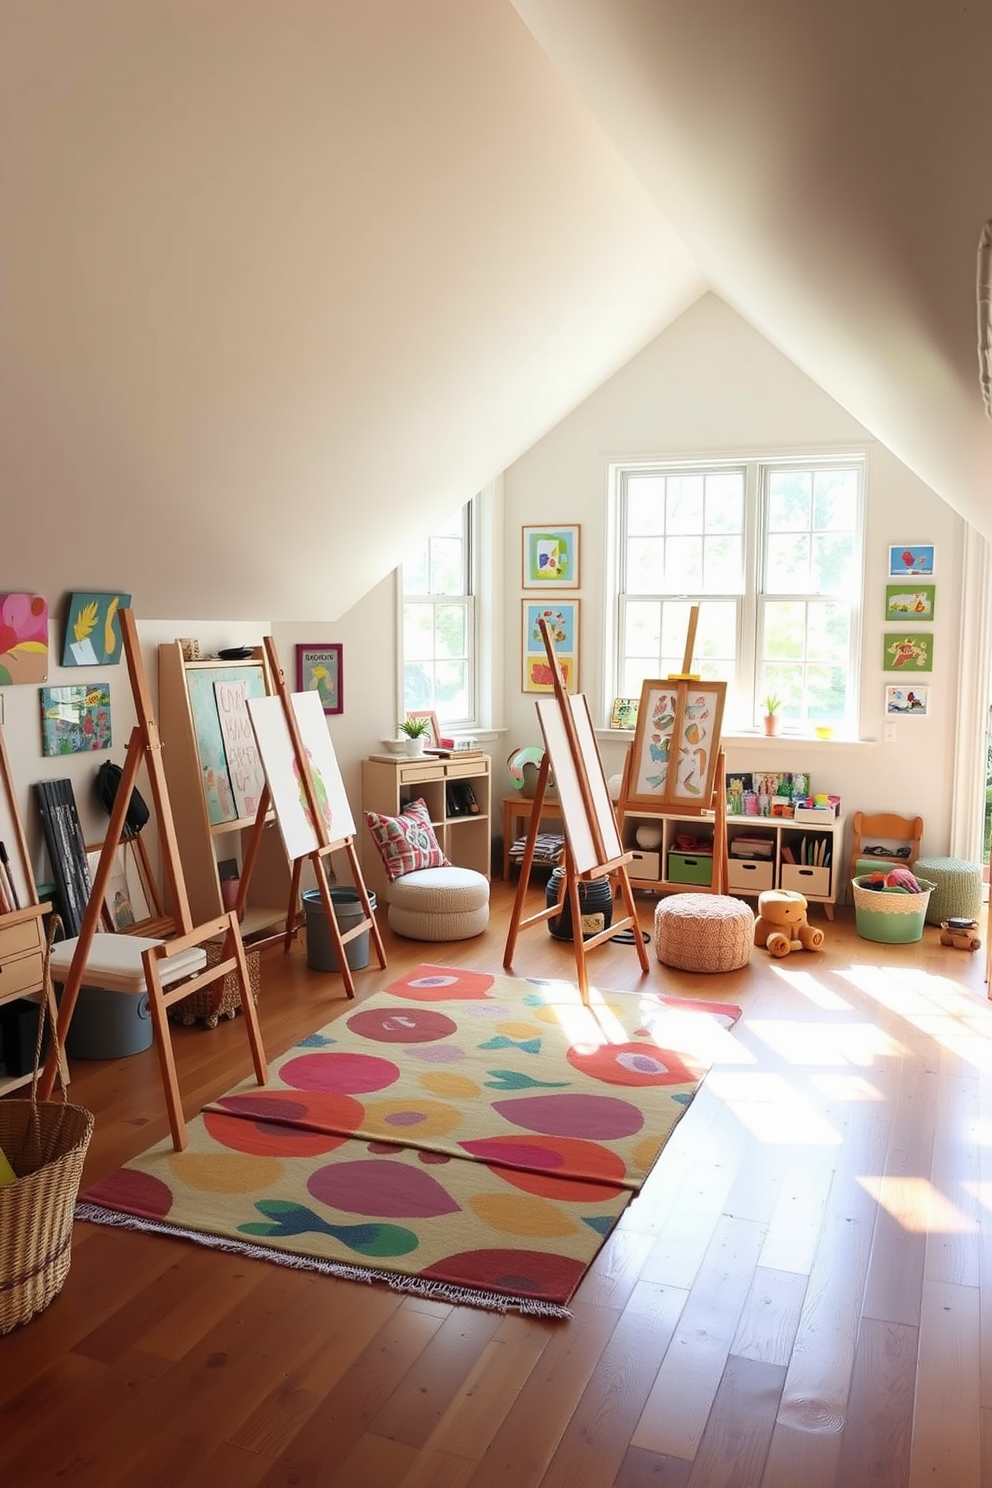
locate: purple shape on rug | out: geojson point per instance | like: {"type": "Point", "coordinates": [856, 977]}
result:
{"type": "Point", "coordinates": [384, 1189]}
{"type": "Point", "coordinates": [600, 1117]}
{"type": "Point", "coordinates": [402, 1025]}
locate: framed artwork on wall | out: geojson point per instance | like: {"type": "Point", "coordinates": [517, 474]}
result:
{"type": "Point", "coordinates": [902, 652]}
{"type": "Point", "coordinates": [320, 669]}
{"type": "Point", "coordinates": [75, 719]}
{"type": "Point", "coordinates": [907, 702]}
{"type": "Point", "coordinates": [912, 560]}
{"type": "Point", "coordinates": [623, 714]}
{"type": "Point", "coordinates": [909, 602]}
{"type": "Point", "coordinates": [551, 557]}
{"type": "Point", "coordinates": [92, 630]}
{"type": "Point", "coordinates": [24, 627]}
{"type": "Point", "coordinates": [563, 619]}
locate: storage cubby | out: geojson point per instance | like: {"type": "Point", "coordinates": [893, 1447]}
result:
{"type": "Point", "coordinates": [450, 787]}
{"type": "Point", "coordinates": [816, 853]}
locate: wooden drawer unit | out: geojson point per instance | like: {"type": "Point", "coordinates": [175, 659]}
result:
{"type": "Point", "coordinates": [389, 784]}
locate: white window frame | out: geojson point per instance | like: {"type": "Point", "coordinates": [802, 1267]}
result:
{"type": "Point", "coordinates": [744, 692]}
{"type": "Point", "coordinates": [473, 515]}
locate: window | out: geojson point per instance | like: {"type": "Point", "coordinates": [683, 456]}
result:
{"type": "Point", "coordinates": [771, 551]}
{"type": "Point", "coordinates": [438, 638]}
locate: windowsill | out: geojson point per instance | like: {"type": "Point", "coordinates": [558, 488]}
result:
{"type": "Point", "coordinates": [742, 740]}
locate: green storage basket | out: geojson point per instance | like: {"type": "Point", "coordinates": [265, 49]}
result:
{"type": "Point", "coordinates": [690, 868]}
{"type": "Point", "coordinates": [890, 915]}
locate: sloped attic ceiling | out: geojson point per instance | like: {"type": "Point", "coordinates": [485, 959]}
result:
{"type": "Point", "coordinates": [283, 281]}
{"type": "Point", "coordinates": [830, 169]}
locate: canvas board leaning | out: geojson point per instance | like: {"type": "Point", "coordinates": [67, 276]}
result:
{"type": "Point", "coordinates": [275, 745]}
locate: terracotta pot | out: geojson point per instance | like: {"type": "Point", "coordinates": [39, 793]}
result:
{"type": "Point", "coordinates": [771, 724]}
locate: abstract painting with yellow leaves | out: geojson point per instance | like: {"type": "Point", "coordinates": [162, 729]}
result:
{"type": "Point", "coordinates": [93, 631]}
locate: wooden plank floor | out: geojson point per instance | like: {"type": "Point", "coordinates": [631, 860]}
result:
{"type": "Point", "coordinates": [801, 1296]}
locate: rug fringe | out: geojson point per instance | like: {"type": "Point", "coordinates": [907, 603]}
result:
{"type": "Point", "coordinates": [437, 1291]}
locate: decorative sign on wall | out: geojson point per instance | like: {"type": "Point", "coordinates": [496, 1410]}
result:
{"type": "Point", "coordinates": [244, 767]}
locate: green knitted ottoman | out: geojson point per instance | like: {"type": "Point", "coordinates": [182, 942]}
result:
{"type": "Point", "coordinates": [958, 891]}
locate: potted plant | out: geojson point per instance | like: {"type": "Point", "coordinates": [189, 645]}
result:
{"type": "Point", "coordinates": [772, 704]}
{"type": "Point", "coordinates": [415, 730]}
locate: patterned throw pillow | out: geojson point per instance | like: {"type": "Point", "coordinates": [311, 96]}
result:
{"type": "Point", "coordinates": [406, 842]}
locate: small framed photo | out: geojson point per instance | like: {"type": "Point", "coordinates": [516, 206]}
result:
{"type": "Point", "coordinates": [909, 602]}
{"type": "Point", "coordinates": [563, 622]}
{"type": "Point", "coordinates": [432, 738]}
{"type": "Point", "coordinates": [623, 714]}
{"type": "Point", "coordinates": [551, 557]}
{"type": "Point", "coordinates": [912, 560]}
{"type": "Point", "coordinates": [903, 652]}
{"type": "Point", "coordinates": [319, 669]}
{"type": "Point", "coordinates": [907, 702]}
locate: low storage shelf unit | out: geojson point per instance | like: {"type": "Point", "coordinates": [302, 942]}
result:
{"type": "Point", "coordinates": [763, 852]}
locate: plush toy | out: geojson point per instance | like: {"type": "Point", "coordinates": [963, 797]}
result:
{"type": "Point", "coordinates": [782, 925]}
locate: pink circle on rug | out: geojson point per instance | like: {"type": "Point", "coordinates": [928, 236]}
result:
{"type": "Point", "coordinates": [442, 984]}
{"type": "Point", "coordinates": [631, 1064]}
{"type": "Point", "coordinates": [349, 1074]}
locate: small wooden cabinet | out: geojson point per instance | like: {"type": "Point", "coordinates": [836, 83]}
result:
{"type": "Point", "coordinates": [389, 783]}
{"type": "Point", "coordinates": [190, 756]}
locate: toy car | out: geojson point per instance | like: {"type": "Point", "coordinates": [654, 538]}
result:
{"type": "Point", "coordinates": [960, 933]}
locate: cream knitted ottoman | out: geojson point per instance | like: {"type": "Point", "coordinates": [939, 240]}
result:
{"type": "Point", "coordinates": [958, 891]}
{"type": "Point", "coordinates": [703, 932]}
{"type": "Point", "coordinates": [439, 904]}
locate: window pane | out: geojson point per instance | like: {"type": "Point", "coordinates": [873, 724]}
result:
{"type": "Point", "coordinates": [789, 493]}
{"type": "Point", "coordinates": [723, 565]}
{"type": "Point", "coordinates": [450, 630]}
{"type": "Point", "coordinates": [835, 570]}
{"type": "Point", "coordinates": [645, 505]}
{"type": "Point", "coordinates": [684, 504]}
{"type": "Point", "coordinates": [418, 631]}
{"type": "Point", "coordinates": [451, 690]}
{"type": "Point", "coordinates": [684, 565]}
{"type": "Point", "coordinates": [645, 565]}
{"type": "Point", "coordinates": [447, 566]}
{"type": "Point", "coordinates": [785, 630]}
{"type": "Point", "coordinates": [828, 633]}
{"type": "Point", "coordinates": [725, 502]}
{"type": "Point", "coordinates": [827, 693]}
{"type": "Point", "coordinates": [415, 570]}
{"type": "Point", "coordinates": [835, 499]}
{"type": "Point", "coordinates": [644, 631]}
{"type": "Point", "coordinates": [787, 568]}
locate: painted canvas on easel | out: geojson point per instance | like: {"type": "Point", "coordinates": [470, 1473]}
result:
{"type": "Point", "coordinates": [677, 742]}
{"type": "Point", "coordinates": [289, 798]}
{"type": "Point", "coordinates": [201, 684]}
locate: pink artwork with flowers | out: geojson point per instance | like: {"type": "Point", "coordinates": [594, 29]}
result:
{"type": "Point", "coordinates": [23, 639]}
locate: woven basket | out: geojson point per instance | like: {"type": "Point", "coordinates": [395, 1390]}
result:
{"type": "Point", "coordinates": [212, 1003]}
{"type": "Point", "coordinates": [45, 1143]}
{"type": "Point", "coordinates": [888, 915]}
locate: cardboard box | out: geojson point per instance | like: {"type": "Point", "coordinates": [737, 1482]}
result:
{"type": "Point", "coordinates": [749, 876]}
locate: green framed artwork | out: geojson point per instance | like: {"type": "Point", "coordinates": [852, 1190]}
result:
{"type": "Point", "coordinates": [909, 602]}
{"type": "Point", "coordinates": [551, 557]}
{"type": "Point", "coordinates": [93, 631]}
{"type": "Point", "coordinates": [905, 652]}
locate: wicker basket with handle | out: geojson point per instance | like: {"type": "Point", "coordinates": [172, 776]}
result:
{"type": "Point", "coordinates": [45, 1143]}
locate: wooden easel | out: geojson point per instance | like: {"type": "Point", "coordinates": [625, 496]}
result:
{"type": "Point", "coordinates": [669, 805]}
{"type": "Point", "coordinates": [145, 746]}
{"type": "Point", "coordinates": [320, 855]}
{"type": "Point", "coordinates": [592, 843]}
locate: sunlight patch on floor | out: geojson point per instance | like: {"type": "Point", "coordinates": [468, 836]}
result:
{"type": "Point", "coordinates": [771, 1110]}
{"type": "Point", "coordinates": [846, 1088]}
{"type": "Point", "coordinates": [917, 1206]}
{"type": "Point", "coordinates": [804, 1043]}
{"type": "Point", "coordinates": [814, 990]}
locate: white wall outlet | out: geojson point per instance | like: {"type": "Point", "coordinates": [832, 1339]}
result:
{"type": "Point", "coordinates": [889, 731]}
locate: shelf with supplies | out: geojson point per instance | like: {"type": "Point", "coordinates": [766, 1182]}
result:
{"type": "Point", "coordinates": [763, 852]}
{"type": "Point", "coordinates": [457, 792]}
{"type": "Point", "coordinates": [215, 780]}
{"type": "Point", "coordinates": [22, 944]}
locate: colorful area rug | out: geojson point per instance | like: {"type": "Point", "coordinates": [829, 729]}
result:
{"type": "Point", "coordinates": [467, 1136]}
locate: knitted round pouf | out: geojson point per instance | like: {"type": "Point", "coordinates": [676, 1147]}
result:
{"type": "Point", "coordinates": [439, 904]}
{"type": "Point", "coordinates": [703, 932]}
{"type": "Point", "coordinates": [958, 891]}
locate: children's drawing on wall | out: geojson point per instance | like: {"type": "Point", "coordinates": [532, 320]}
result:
{"type": "Point", "coordinates": [911, 559]}
{"type": "Point", "coordinates": [907, 702]}
{"type": "Point", "coordinates": [23, 639]}
{"type": "Point", "coordinates": [909, 602]}
{"type": "Point", "coordinates": [75, 719]}
{"type": "Point", "coordinates": [907, 653]}
{"type": "Point", "coordinates": [93, 631]}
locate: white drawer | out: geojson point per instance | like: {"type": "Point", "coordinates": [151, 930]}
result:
{"type": "Point", "coordinates": [749, 876]}
{"type": "Point", "coordinates": [813, 882]}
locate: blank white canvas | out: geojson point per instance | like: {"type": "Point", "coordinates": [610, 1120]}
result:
{"type": "Point", "coordinates": [275, 745]}
{"type": "Point", "coordinates": [578, 828]}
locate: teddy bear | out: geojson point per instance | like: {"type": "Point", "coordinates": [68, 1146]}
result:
{"type": "Point", "coordinates": [782, 925]}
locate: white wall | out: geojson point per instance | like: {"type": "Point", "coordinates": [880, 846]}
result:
{"type": "Point", "coordinates": [712, 386]}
